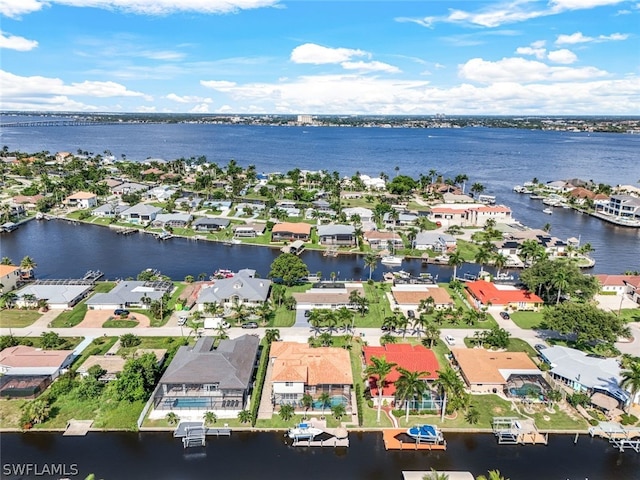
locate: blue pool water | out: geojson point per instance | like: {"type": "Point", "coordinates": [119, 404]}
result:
{"type": "Point", "coordinates": [335, 400]}
{"type": "Point", "coordinates": [191, 403]}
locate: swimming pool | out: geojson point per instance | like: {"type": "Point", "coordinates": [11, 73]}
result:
{"type": "Point", "coordinates": [334, 401]}
{"type": "Point", "coordinates": [197, 403]}
{"type": "Point", "coordinates": [526, 390]}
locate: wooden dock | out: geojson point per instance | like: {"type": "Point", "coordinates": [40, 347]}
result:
{"type": "Point", "coordinates": [517, 431]}
{"type": "Point", "coordinates": [397, 439]}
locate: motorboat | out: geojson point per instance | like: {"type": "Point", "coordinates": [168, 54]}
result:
{"type": "Point", "coordinates": [303, 431]}
{"type": "Point", "coordinates": [391, 260]}
{"type": "Point", "coordinates": [548, 211]}
{"type": "Point", "coordinates": [426, 433]}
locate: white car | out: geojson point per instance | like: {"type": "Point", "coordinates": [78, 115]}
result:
{"type": "Point", "coordinates": [450, 340]}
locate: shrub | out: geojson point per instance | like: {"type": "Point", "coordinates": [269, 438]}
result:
{"type": "Point", "coordinates": [370, 403]}
{"type": "Point", "coordinates": [593, 422]}
{"type": "Point", "coordinates": [627, 419]}
{"type": "Point", "coordinates": [578, 399]}
{"type": "Point", "coordinates": [398, 413]}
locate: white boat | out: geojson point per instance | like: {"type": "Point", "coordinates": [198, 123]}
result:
{"type": "Point", "coordinates": [426, 433]}
{"type": "Point", "coordinates": [303, 431]}
{"type": "Point", "coordinates": [548, 211]}
{"type": "Point", "coordinates": [391, 260]}
{"type": "Point", "coordinates": [519, 189]}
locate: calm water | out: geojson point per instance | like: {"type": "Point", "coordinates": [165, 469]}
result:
{"type": "Point", "coordinates": [264, 455]}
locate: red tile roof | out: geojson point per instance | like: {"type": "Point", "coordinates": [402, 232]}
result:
{"type": "Point", "coordinates": [414, 358]}
{"type": "Point", "coordinates": [487, 292]}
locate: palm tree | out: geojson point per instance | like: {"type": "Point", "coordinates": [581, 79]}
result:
{"type": "Point", "coordinates": [435, 475]}
{"type": "Point", "coordinates": [6, 261]}
{"type": "Point", "coordinates": [631, 380]}
{"type": "Point", "coordinates": [528, 249]}
{"type": "Point", "coordinates": [38, 410]}
{"type": "Point", "coordinates": [172, 418]}
{"type": "Point", "coordinates": [409, 387]}
{"type": "Point", "coordinates": [245, 416]}
{"type": "Point", "coordinates": [29, 265]}
{"type": "Point", "coordinates": [472, 416]}
{"type": "Point", "coordinates": [307, 401]}
{"type": "Point", "coordinates": [209, 418]}
{"type": "Point", "coordinates": [338, 411]}
{"type": "Point", "coordinates": [493, 475]}
{"type": "Point", "coordinates": [455, 260]}
{"type": "Point", "coordinates": [500, 261]}
{"type": "Point", "coordinates": [325, 400]}
{"type": "Point", "coordinates": [482, 257]}
{"type": "Point", "coordinates": [431, 334]}
{"type": "Point", "coordinates": [379, 368]}
{"type": "Point", "coordinates": [370, 261]}
{"type": "Point", "coordinates": [286, 412]}
{"type": "Point", "coordinates": [449, 385]}
{"type": "Point", "coordinates": [272, 335]}
{"type": "Point", "coordinates": [560, 280]}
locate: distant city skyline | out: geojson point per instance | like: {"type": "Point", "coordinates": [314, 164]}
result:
{"type": "Point", "coordinates": [518, 57]}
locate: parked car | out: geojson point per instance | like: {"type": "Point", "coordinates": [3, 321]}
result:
{"type": "Point", "coordinates": [121, 312]}
{"type": "Point", "coordinates": [450, 340]}
{"type": "Point", "coordinates": [250, 325]}
{"type": "Point", "coordinates": [387, 328]}
{"type": "Point", "coordinates": [411, 314]}
{"type": "Point", "coordinates": [539, 347]}
{"type": "Point", "coordinates": [182, 321]}
{"type": "Point", "coordinates": [307, 313]}
{"type": "Point", "coordinates": [505, 315]}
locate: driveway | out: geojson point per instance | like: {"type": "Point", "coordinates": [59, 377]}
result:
{"type": "Point", "coordinates": [96, 318]}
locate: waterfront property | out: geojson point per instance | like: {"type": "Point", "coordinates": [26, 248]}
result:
{"type": "Point", "coordinates": [240, 289]}
{"type": "Point", "coordinates": [201, 378]}
{"type": "Point", "coordinates": [82, 200]}
{"type": "Point", "coordinates": [172, 220]}
{"type": "Point", "coordinates": [110, 210]}
{"type": "Point", "coordinates": [622, 207]}
{"type": "Point", "coordinates": [142, 214]}
{"type": "Point", "coordinates": [287, 231]}
{"type": "Point", "coordinates": [621, 284]}
{"type": "Point", "coordinates": [113, 364]}
{"type": "Point", "coordinates": [437, 241]}
{"type": "Point", "coordinates": [298, 369]}
{"type": "Point", "coordinates": [130, 294]}
{"type": "Point", "coordinates": [483, 294]}
{"type": "Point", "coordinates": [9, 277]}
{"type": "Point", "coordinates": [383, 240]}
{"type": "Point", "coordinates": [339, 235]}
{"type": "Point", "coordinates": [206, 224]}
{"type": "Point", "coordinates": [414, 358]}
{"type": "Point", "coordinates": [591, 375]}
{"type": "Point", "coordinates": [64, 295]}
{"type": "Point", "coordinates": [249, 230]}
{"type": "Point", "coordinates": [486, 371]}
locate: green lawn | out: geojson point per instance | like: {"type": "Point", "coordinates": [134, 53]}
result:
{"type": "Point", "coordinates": [468, 250]}
{"type": "Point", "coordinates": [378, 306]}
{"type": "Point", "coordinates": [70, 318]}
{"type": "Point", "coordinates": [17, 318]}
{"type": "Point", "coordinates": [10, 411]}
{"type": "Point", "coordinates": [153, 343]}
{"type": "Point", "coordinates": [518, 345]}
{"type": "Point", "coordinates": [120, 324]}
{"type": "Point", "coordinates": [69, 343]}
{"type": "Point", "coordinates": [528, 320]}
{"type": "Point", "coordinates": [99, 346]}
{"type": "Point", "coordinates": [630, 314]}
{"type": "Point", "coordinates": [103, 287]}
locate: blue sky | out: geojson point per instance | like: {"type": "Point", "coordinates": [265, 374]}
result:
{"type": "Point", "coordinates": [534, 57]}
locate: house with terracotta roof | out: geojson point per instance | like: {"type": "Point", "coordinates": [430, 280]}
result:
{"type": "Point", "coordinates": [414, 358]}
{"type": "Point", "coordinates": [486, 371]}
{"type": "Point", "coordinates": [289, 231]}
{"type": "Point", "coordinates": [478, 216]}
{"type": "Point", "coordinates": [298, 369]}
{"type": "Point", "coordinates": [483, 294]}
{"type": "Point", "coordinates": [620, 284]}
{"type": "Point", "coordinates": [409, 296]}
{"type": "Point", "coordinates": [82, 200]}
{"type": "Point", "coordinates": [24, 360]}
{"type": "Point", "coordinates": [9, 276]}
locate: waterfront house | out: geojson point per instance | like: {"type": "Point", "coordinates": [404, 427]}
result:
{"type": "Point", "coordinates": [172, 220]}
{"type": "Point", "coordinates": [626, 207]}
{"type": "Point", "coordinates": [249, 230]}
{"type": "Point", "coordinates": [340, 235]}
{"type": "Point", "coordinates": [57, 296]}
{"type": "Point", "coordinates": [201, 379]}
{"type": "Point", "coordinates": [110, 210]}
{"type": "Point", "coordinates": [82, 200]}
{"type": "Point", "coordinates": [559, 186]}
{"type": "Point", "coordinates": [288, 231]}
{"type": "Point", "coordinates": [456, 198]}
{"type": "Point", "coordinates": [633, 287]}
{"type": "Point", "coordinates": [298, 369]}
{"type": "Point", "coordinates": [414, 358]}
{"type": "Point", "coordinates": [27, 202]}
{"type": "Point", "coordinates": [240, 289]}
{"type": "Point", "coordinates": [486, 371]}
{"type": "Point", "coordinates": [447, 215]}
{"type": "Point", "coordinates": [437, 241]}
{"type": "Point", "coordinates": [128, 187]}
{"type": "Point", "coordinates": [9, 277]}
{"type": "Point", "coordinates": [478, 216]}
{"type": "Point", "coordinates": [383, 240]}
{"type": "Point", "coordinates": [130, 293]}
{"type": "Point", "coordinates": [588, 374]}
{"type": "Point", "coordinates": [409, 296]}
{"type": "Point", "coordinates": [327, 295]}
{"type": "Point", "coordinates": [483, 294]}
{"type": "Point", "coordinates": [142, 214]}
{"type": "Point", "coordinates": [206, 224]}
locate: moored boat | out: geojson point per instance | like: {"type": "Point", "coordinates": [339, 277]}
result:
{"type": "Point", "coordinates": [548, 211]}
{"type": "Point", "coordinates": [426, 433]}
{"type": "Point", "coordinates": [303, 431]}
{"type": "Point", "coordinates": [391, 260]}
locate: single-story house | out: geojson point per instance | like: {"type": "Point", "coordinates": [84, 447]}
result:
{"type": "Point", "coordinates": [57, 296]}
{"type": "Point", "coordinates": [142, 213]}
{"type": "Point", "coordinates": [29, 202]}
{"type": "Point", "coordinates": [365, 214]}
{"type": "Point", "coordinates": [409, 296]}
{"type": "Point", "coordinates": [617, 283]}
{"type": "Point", "coordinates": [298, 369]}
{"type": "Point", "coordinates": [438, 241]}
{"type": "Point", "coordinates": [130, 293]}
{"type": "Point", "coordinates": [633, 288]}
{"type": "Point", "coordinates": [109, 210]}
{"type": "Point", "coordinates": [383, 240]}
{"type": "Point", "coordinates": [404, 219]}
{"type": "Point", "coordinates": [342, 235]}
{"type": "Point", "coordinates": [9, 276]}
{"type": "Point", "coordinates": [203, 379]}
{"type": "Point", "coordinates": [332, 296]}
{"type": "Point", "coordinates": [249, 230]}
{"type": "Point", "coordinates": [242, 288]}
{"type": "Point", "coordinates": [82, 200]}
{"type": "Point", "coordinates": [288, 231]}
{"type": "Point", "coordinates": [486, 371]}
{"type": "Point", "coordinates": [190, 202]}
{"type": "Point", "coordinates": [414, 358]}
{"type": "Point", "coordinates": [161, 193]}
{"type": "Point", "coordinates": [482, 294]}
{"type": "Point", "coordinates": [129, 187]}
{"type": "Point", "coordinates": [206, 224]}
{"type": "Point", "coordinates": [179, 220]}
{"type": "Point", "coordinates": [584, 373]}
{"type": "Point", "coordinates": [24, 360]}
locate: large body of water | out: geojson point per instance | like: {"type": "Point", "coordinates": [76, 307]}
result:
{"type": "Point", "coordinates": [159, 456]}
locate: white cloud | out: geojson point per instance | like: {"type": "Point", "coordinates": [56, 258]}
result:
{"type": "Point", "coordinates": [578, 37]}
{"type": "Point", "coordinates": [523, 71]}
{"type": "Point", "coordinates": [535, 48]}
{"type": "Point", "coordinates": [188, 99]}
{"type": "Point", "coordinates": [319, 55]}
{"type": "Point", "coordinates": [564, 56]}
{"type": "Point", "coordinates": [220, 85]}
{"type": "Point", "coordinates": [201, 108]}
{"type": "Point", "coordinates": [370, 67]}
{"type": "Point", "coordinates": [13, 42]}
{"type": "Point", "coordinates": [16, 8]}
{"type": "Point", "coordinates": [146, 109]}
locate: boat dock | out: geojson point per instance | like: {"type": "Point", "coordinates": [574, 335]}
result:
{"type": "Point", "coordinates": [93, 275]}
{"type": "Point", "coordinates": [329, 438]}
{"type": "Point", "coordinates": [517, 431]}
{"type": "Point", "coordinates": [77, 428]}
{"type": "Point", "coordinates": [397, 439]}
{"type": "Point", "coordinates": [621, 437]}
{"type": "Point", "coordinates": [194, 434]}
{"type": "Point", "coordinates": [124, 230]}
